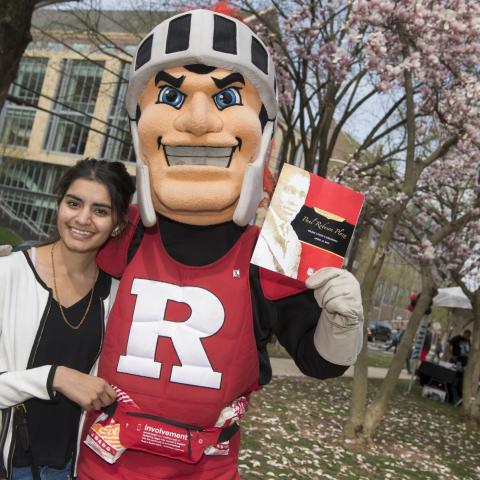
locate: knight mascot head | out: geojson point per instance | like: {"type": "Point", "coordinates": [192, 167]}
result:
{"type": "Point", "coordinates": [202, 106]}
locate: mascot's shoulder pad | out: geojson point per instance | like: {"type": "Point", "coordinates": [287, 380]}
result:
{"type": "Point", "coordinates": [276, 286]}
{"type": "Point", "coordinates": [113, 256]}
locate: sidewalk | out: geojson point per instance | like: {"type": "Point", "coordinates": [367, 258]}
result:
{"type": "Point", "coordinates": [285, 367]}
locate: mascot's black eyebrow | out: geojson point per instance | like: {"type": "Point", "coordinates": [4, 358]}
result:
{"type": "Point", "coordinates": [174, 81]}
{"type": "Point", "coordinates": [232, 78]}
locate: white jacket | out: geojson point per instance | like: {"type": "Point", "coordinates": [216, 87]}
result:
{"type": "Point", "coordinates": [24, 306]}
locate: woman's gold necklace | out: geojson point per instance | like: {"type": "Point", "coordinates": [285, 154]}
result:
{"type": "Point", "coordinates": [74, 327]}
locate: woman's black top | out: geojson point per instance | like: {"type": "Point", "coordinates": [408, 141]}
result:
{"type": "Point", "coordinates": [53, 424]}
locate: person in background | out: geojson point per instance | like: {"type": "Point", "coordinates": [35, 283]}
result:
{"type": "Point", "coordinates": [427, 344]}
{"type": "Point", "coordinates": [438, 348]}
{"type": "Point", "coordinates": [459, 351]}
{"type": "Point", "coordinates": [460, 348]}
{"type": "Point", "coordinates": [394, 341]}
{"type": "Point", "coordinates": [53, 306]}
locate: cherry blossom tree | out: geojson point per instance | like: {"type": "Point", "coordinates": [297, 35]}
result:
{"type": "Point", "coordinates": [456, 257]}
{"type": "Point", "coordinates": [439, 229]}
{"type": "Point", "coordinates": [422, 55]}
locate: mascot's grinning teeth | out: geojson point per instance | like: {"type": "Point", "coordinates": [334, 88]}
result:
{"type": "Point", "coordinates": [211, 156]}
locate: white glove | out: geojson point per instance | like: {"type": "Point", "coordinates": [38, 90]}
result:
{"type": "Point", "coordinates": [5, 250]}
{"type": "Point", "coordinates": [339, 334]}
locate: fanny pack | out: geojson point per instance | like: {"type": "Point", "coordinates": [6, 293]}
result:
{"type": "Point", "coordinates": [123, 425]}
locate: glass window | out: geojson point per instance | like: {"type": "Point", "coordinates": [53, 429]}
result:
{"type": "Point", "coordinates": [118, 141]}
{"type": "Point", "coordinates": [77, 95]}
{"type": "Point", "coordinates": [17, 120]}
{"type": "Point", "coordinates": [27, 197]}
{"type": "Point", "coordinates": [29, 80]}
{"type": "Point", "coordinates": [17, 126]}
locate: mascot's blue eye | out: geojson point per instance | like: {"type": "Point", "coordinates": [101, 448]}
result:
{"type": "Point", "coordinates": [171, 96]}
{"type": "Point", "coordinates": [227, 98]}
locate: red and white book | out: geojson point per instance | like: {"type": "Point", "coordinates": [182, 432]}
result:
{"type": "Point", "coordinates": [309, 224]}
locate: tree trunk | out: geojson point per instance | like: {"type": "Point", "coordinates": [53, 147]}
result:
{"type": "Point", "coordinates": [15, 21]}
{"type": "Point", "coordinates": [320, 146]}
{"type": "Point", "coordinates": [471, 374]}
{"type": "Point", "coordinates": [309, 158]}
{"type": "Point", "coordinates": [354, 425]}
{"type": "Point", "coordinates": [475, 410]}
{"type": "Point", "coordinates": [288, 141]}
{"type": "Point", "coordinates": [377, 408]}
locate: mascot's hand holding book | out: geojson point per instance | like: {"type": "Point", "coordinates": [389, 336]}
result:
{"type": "Point", "coordinates": [309, 225]}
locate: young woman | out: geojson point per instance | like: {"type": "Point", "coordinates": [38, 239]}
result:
{"type": "Point", "coordinates": [53, 305]}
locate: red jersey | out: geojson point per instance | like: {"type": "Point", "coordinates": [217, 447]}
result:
{"type": "Point", "coordinates": [180, 342]}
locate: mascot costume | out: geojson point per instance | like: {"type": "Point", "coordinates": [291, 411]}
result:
{"type": "Point", "coordinates": [186, 339]}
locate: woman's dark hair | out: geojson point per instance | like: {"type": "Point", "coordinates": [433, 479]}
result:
{"type": "Point", "coordinates": [113, 175]}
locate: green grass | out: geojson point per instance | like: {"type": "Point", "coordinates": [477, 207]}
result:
{"type": "Point", "coordinates": [376, 358]}
{"type": "Point", "coordinates": [379, 359]}
{"type": "Point", "coordinates": [294, 432]}
{"type": "Point", "coordinates": [7, 236]}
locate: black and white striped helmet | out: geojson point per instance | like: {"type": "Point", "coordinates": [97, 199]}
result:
{"type": "Point", "coordinates": [209, 38]}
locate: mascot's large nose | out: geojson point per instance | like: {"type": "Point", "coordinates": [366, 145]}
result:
{"type": "Point", "coordinates": [199, 116]}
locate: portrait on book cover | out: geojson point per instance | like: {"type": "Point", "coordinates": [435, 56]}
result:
{"type": "Point", "coordinates": [278, 247]}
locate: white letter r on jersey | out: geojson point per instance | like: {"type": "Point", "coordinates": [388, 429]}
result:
{"type": "Point", "coordinates": [149, 323]}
